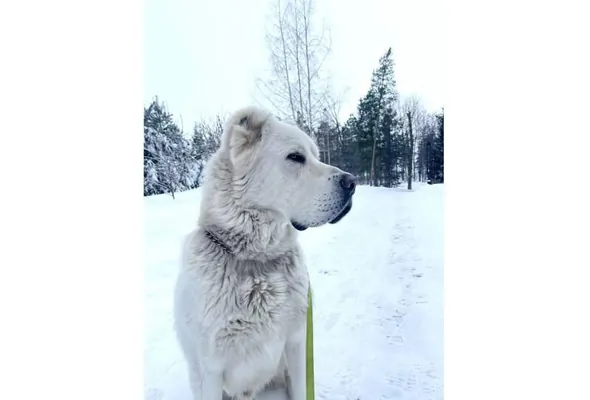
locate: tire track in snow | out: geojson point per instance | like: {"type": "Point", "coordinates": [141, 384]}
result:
{"type": "Point", "coordinates": [411, 376]}
{"type": "Point", "coordinates": [366, 296]}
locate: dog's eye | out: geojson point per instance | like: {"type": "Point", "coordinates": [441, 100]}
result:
{"type": "Point", "coordinates": [296, 157]}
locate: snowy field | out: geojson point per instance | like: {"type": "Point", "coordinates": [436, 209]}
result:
{"type": "Point", "coordinates": [378, 296]}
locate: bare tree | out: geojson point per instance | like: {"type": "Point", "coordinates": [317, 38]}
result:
{"type": "Point", "coordinates": [295, 87]}
{"type": "Point", "coordinates": [332, 106]}
{"type": "Point", "coordinates": [415, 115]}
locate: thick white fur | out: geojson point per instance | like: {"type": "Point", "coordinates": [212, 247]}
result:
{"type": "Point", "coordinates": [241, 298]}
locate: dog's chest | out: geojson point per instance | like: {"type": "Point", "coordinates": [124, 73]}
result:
{"type": "Point", "coordinates": [262, 304]}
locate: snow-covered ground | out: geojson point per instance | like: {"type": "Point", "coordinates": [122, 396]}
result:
{"type": "Point", "coordinates": [378, 296]}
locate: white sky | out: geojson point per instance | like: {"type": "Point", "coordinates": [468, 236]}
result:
{"type": "Point", "coordinates": [202, 56]}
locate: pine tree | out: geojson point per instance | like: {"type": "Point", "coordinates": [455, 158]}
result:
{"type": "Point", "coordinates": [199, 149]}
{"type": "Point", "coordinates": [322, 137]}
{"type": "Point", "coordinates": [365, 133]}
{"type": "Point", "coordinates": [384, 85]}
{"type": "Point", "coordinates": [424, 156]}
{"type": "Point", "coordinates": [372, 109]}
{"type": "Point", "coordinates": [349, 148]}
{"type": "Point", "coordinates": [204, 142]}
{"type": "Point", "coordinates": [168, 163]}
{"type": "Point", "coordinates": [387, 131]}
{"type": "Point", "coordinates": [433, 144]}
{"type": "Point", "coordinates": [213, 137]}
{"type": "Point", "coordinates": [440, 148]}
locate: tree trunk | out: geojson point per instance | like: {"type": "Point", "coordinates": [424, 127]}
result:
{"type": "Point", "coordinates": [328, 148]}
{"type": "Point", "coordinates": [375, 133]}
{"type": "Point", "coordinates": [286, 64]}
{"type": "Point", "coordinates": [428, 177]}
{"type": "Point", "coordinates": [373, 160]}
{"type": "Point", "coordinates": [411, 151]}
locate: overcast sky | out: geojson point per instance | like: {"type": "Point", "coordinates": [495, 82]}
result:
{"type": "Point", "coordinates": [202, 56]}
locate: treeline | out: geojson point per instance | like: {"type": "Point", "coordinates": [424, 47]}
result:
{"type": "Point", "coordinates": [387, 142]}
{"type": "Point", "coordinates": [172, 162]}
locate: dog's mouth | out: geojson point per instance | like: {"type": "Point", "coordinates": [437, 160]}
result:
{"type": "Point", "coordinates": [344, 211]}
{"type": "Point", "coordinates": [298, 226]}
{"type": "Point", "coordinates": [342, 214]}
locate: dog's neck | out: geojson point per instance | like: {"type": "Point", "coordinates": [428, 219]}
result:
{"type": "Point", "coordinates": [248, 234]}
{"type": "Point", "coordinates": [240, 228]}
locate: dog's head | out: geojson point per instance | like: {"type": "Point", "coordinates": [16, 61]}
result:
{"type": "Point", "coordinates": [275, 166]}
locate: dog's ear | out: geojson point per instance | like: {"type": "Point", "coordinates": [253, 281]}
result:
{"type": "Point", "coordinates": [244, 129]}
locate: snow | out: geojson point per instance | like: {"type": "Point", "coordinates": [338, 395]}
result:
{"type": "Point", "coordinates": [378, 296]}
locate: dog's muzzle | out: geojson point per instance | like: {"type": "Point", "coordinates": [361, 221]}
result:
{"type": "Point", "coordinates": [344, 211]}
{"type": "Point", "coordinates": [348, 185]}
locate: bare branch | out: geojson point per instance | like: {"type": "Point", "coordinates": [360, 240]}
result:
{"type": "Point", "coordinates": [297, 53]}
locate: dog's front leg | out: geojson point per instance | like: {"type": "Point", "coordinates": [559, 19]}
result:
{"type": "Point", "coordinates": [295, 357]}
{"type": "Point", "coordinates": [206, 385]}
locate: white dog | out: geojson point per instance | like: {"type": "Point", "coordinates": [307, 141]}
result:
{"type": "Point", "coordinates": [241, 296]}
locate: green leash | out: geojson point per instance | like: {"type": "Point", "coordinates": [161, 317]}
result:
{"type": "Point", "coordinates": [309, 349]}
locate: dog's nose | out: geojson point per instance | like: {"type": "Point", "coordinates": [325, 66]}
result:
{"type": "Point", "coordinates": [348, 183]}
